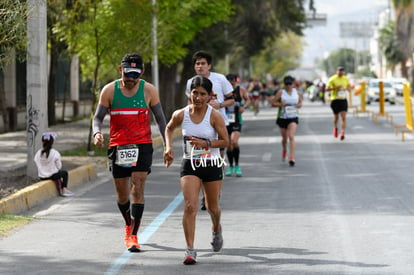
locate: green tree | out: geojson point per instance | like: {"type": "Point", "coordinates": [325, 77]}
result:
{"type": "Point", "coordinates": [256, 24]}
{"type": "Point", "coordinates": [56, 48]}
{"type": "Point", "coordinates": [101, 32]}
{"type": "Point", "coordinates": [404, 11]}
{"type": "Point", "coordinates": [252, 27]}
{"type": "Point", "coordinates": [279, 56]}
{"type": "Point", "coordinates": [13, 15]}
{"type": "Point", "coordinates": [344, 57]}
{"type": "Point", "coordinates": [390, 47]}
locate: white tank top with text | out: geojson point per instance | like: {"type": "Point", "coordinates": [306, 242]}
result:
{"type": "Point", "coordinates": [202, 130]}
{"type": "Point", "coordinates": [289, 110]}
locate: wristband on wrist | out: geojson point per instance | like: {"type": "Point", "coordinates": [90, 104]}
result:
{"type": "Point", "coordinates": [208, 143]}
{"type": "Point", "coordinates": [221, 105]}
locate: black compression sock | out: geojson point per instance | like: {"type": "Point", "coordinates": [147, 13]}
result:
{"type": "Point", "coordinates": [126, 212]}
{"type": "Point", "coordinates": [230, 156]}
{"type": "Point", "coordinates": [236, 154]}
{"type": "Point", "coordinates": [136, 213]}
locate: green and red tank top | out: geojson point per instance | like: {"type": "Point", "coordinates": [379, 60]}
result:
{"type": "Point", "coordinates": [130, 118]}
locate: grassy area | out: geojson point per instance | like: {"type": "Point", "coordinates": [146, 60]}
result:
{"type": "Point", "coordinates": [81, 151]}
{"type": "Point", "coordinates": [96, 151]}
{"type": "Point", "coordinates": [8, 222]}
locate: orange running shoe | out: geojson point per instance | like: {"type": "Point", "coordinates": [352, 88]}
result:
{"type": "Point", "coordinates": [132, 244]}
{"type": "Point", "coordinates": [128, 229]}
{"type": "Point", "coordinates": [284, 154]}
{"type": "Point", "coordinates": [335, 132]}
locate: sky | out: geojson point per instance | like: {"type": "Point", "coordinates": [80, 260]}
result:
{"type": "Point", "coordinates": [320, 40]}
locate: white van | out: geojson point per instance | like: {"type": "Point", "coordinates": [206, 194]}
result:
{"type": "Point", "coordinates": [399, 85]}
{"type": "Point", "coordinates": [390, 93]}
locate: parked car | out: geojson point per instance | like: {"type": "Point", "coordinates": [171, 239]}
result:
{"type": "Point", "coordinates": [399, 85]}
{"type": "Point", "coordinates": [373, 91]}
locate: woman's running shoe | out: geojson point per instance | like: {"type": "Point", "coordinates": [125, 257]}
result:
{"type": "Point", "coordinates": [217, 241]}
{"type": "Point", "coordinates": [190, 257]}
{"type": "Point", "coordinates": [342, 136]}
{"type": "Point", "coordinates": [292, 161]}
{"type": "Point", "coordinates": [284, 154]}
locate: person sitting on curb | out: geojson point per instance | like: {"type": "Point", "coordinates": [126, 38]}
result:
{"type": "Point", "coordinates": [49, 165]}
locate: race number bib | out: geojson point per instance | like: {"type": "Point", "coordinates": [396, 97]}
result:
{"type": "Point", "coordinates": [127, 155]}
{"type": "Point", "coordinates": [341, 94]}
{"type": "Point", "coordinates": [290, 110]}
{"type": "Point", "coordinates": [194, 152]}
{"type": "Point", "coordinates": [231, 117]}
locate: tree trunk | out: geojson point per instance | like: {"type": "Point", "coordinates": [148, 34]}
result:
{"type": "Point", "coordinates": [54, 55]}
{"type": "Point", "coordinates": [186, 73]}
{"type": "Point", "coordinates": [412, 81]}
{"type": "Point", "coordinates": [168, 89]}
{"type": "Point", "coordinates": [404, 70]}
{"type": "Point", "coordinates": [405, 28]}
{"type": "Point", "coordinates": [95, 94]}
{"type": "Point", "coordinates": [95, 85]}
{"type": "Point", "coordinates": [3, 106]}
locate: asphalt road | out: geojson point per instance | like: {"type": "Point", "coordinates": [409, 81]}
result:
{"type": "Point", "coordinates": [345, 208]}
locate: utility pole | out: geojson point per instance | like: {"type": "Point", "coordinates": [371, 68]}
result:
{"type": "Point", "coordinates": [155, 73]}
{"type": "Point", "coordinates": [36, 103]}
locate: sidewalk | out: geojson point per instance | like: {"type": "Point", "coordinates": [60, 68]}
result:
{"type": "Point", "coordinates": [13, 162]}
{"type": "Point", "coordinates": [72, 135]}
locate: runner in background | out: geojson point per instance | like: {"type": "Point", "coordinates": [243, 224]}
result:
{"type": "Point", "coordinates": [339, 86]}
{"type": "Point", "coordinates": [254, 89]}
{"type": "Point", "coordinates": [234, 114]}
{"type": "Point", "coordinates": [288, 100]}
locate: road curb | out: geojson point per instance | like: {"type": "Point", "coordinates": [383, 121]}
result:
{"type": "Point", "coordinates": [37, 193]}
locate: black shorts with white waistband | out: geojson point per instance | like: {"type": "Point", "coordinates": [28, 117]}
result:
{"type": "Point", "coordinates": [234, 127]}
{"type": "Point", "coordinates": [143, 164]}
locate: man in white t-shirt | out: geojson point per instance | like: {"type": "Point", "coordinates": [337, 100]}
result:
{"type": "Point", "coordinates": [221, 86]}
{"type": "Point", "coordinates": [222, 89]}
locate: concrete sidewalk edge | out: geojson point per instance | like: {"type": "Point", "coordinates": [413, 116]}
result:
{"type": "Point", "coordinates": [34, 194]}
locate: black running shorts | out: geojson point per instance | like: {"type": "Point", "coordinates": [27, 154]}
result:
{"type": "Point", "coordinates": [143, 164]}
{"type": "Point", "coordinates": [339, 105]}
{"type": "Point", "coordinates": [234, 127]}
{"type": "Point", "coordinates": [284, 122]}
{"type": "Point", "coordinates": [206, 174]}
